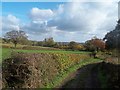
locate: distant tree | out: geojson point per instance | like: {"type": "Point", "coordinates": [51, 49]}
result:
{"type": "Point", "coordinates": [56, 45]}
{"type": "Point", "coordinates": [24, 41]}
{"type": "Point", "coordinates": [34, 43]}
{"type": "Point", "coordinates": [113, 38]}
{"type": "Point", "coordinates": [16, 36]}
{"type": "Point", "coordinates": [89, 46]}
{"type": "Point", "coordinates": [99, 44]}
{"type": "Point", "coordinates": [95, 44]}
{"type": "Point", "coordinates": [74, 46]}
{"type": "Point", "coordinates": [48, 42]}
{"type": "Point", "coordinates": [40, 43]}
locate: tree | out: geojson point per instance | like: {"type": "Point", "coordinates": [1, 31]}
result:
{"type": "Point", "coordinates": [113, 38]}
{"type": "Point", "coordinates": [16, 36]}
{"type": "Point", "coordinates": [40, 43]}
{"type": "Point", "coordinates": [74, 45]}
{"type": "Point", "coordinates": [99, 44]}
{"type": "Point", "coordinates": [89, 46]}
{"type": "Point", "coordinates": [48, 42]}
{"type": "Point", "coordinates": [95, 44]}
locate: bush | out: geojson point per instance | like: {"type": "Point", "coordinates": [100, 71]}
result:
{"type": "Point", "coordinates": [33, 70]}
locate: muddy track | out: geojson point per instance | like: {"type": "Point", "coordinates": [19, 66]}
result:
{"type": "Point", "coordinates": [88, 77]}
{"type": "Point", "coordinates": [83, 78]}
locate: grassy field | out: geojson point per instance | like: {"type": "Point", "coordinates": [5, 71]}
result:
{"type": "Point", "coordinates": [6, 52]}
{"type": "Point", "coordinates": [52, 51]}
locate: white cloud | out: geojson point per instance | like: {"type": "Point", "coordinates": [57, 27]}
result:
{"type": "Point", "coordinates": [10, 22]}
{"type": "Point", "coordinates": [36, 27]}
{"type": "Point", "coordinates": [38, 21]}
{"type": "Point", "coordinates": [88, 17]}
{"type": "Point", "coordinates": [40, 14]}
{"type": "Point", "coordinates": [83, 16]}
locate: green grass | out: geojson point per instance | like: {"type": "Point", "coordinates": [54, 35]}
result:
{"type": "Point", "coordinates": [52, 51]}
{"type": "Point", "coordinates": [6, 52]}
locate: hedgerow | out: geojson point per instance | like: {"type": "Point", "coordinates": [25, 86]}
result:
{"type": "Point", "coordinates": [37, 70]}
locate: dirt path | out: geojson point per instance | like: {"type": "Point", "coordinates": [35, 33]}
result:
{"type": "Point", "coordinates": [92, 81]}
{"type": "Point", "coordinates": [82, 78]}
{"type": "Point", "coordinates": [89, 76]}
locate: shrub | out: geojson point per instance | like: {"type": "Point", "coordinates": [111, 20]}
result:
{"type": "Point", "coordinates": [33, 70]}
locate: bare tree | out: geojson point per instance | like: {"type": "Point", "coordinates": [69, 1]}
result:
{"type": "Point", "coordinates": [16, 36]}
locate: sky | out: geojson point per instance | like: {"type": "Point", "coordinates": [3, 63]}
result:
{"type": "Point", "coordinates": [64, 21]}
